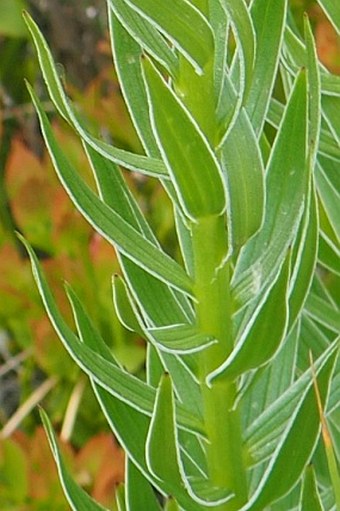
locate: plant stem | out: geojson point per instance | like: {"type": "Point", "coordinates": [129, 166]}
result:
{"type": "Point", "coordinates": [224, 450]}
{"type": "Point", "coordinates": [213, 307]}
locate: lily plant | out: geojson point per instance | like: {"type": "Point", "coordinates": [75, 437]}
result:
{"type": "Point", "coordinates": [239, 122]}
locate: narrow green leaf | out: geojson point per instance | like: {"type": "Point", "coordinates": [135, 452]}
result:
{"type": "Point", "coordinates": [286, 186]}
{"type": "Point", "coordinates": [127, 59]}
{"type": "Point", "coordinates": [265, 434]}
{"type": "Point", "coordinates": [305, 260]}
{"type": "Point", "coordinates": [314, 93]}
{"type": "Point", "coordinates": [139, 493]}
{"type": "Point", "coordinates": [332, 10]}
{"type": "Point", "coordinates": [310, 499]}
{"type": "Point", "coordinates": [176, 339]}
{"type": "Point", "coordinates": [131, 429]}
{"type": "Point", "coordinates": [261, 338]}
{"type": "Point", "coordinates": [107, 374]}
{"type": "Point", "coordinates": [190, 161]}
{"type": "Point", "coordinates": [243, 29]}
{"type": "Point", "coordinates": [304, 423]}
{"type": "Point", "coordinates": [265, 386]}
{"type": "Point", "coordinates": [181, 338]}
{"type": "Point", "coordinates": [327, 144]}
{"type": "Point", "coordinates": [218, 21]}
{"type": "Point", "coordinates": [329, 195]}
{"type": "Point", "coordinates": [163, 455]}
{"type": "Point", "coordinates": [149, 166]}
{"type": "Point", "coordinates": [162, 445]}
{"type": "Point", "coordinates": [269, 21]}
{"type": "Point", "coordinates": [78, 499]}
{"type": "Point", "coordinates": [243, 170]}
{"type": "Point", "coordinates": [146, 35]}
{"type": "Point", "coordinates": [323, 312]}
{"type": "Point", "coordinates": [181, 23]}
{"type": "Point", "coordinates": [108, 223]}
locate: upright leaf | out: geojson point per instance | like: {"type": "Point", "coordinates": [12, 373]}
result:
{"type": "Point", "coordinates": [286, 185]}
{"type": "Point", "coordinates": [243, 170]}
{"type": "Point", "coordinates": [109, 223]}
{"type": "Point", "coordinates": [243, 28]}
{"type": "Point", "coordinates": [139, 493]}
{"type": "Point", "coordinates": [269, 21]}
{"type": "Point", "coordinates": [191, 163]}
{"type": "Point", "coordinates": [260, 338]}
{"type": "Point", "coordinates": [78, 499]}
{"type": "Point", "coordinates": [290, 449]}
{"type": "Point", "coordinates": [310, 498]}
{"type": "Point", "coordinates": [147, 36]}
{"type": "Point", "coordinates": [182, 24]}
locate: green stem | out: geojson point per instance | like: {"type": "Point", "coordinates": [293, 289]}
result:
{"type": "Point", "coordinates": [224, 450]}
{"type": "Point", "coordinates": [213, 306]}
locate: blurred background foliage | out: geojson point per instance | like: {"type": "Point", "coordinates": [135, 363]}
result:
{"type": "Point", "coordinates": [34, 368]}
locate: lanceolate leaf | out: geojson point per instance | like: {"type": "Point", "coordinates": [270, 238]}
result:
{"type": "Point", "coordinates": [329, 195]}
{"type": "Point", "coordinates": [182, 24]}
{"type": "Point", "coordinates": [184, 150]}
{"type": "Point", "coordinates": [244, 32]}
{"type": "Point", "coordinates": [306, 258]}
{"type": "Point", "coordinates": [139, 493]}
{"type": "Point", "coordinates": [131, 161]}
{"type": "Point", "coordinates": [262, 437]}
{"type": "Point", "coordinates": [78, 499]}
{"type": "Point", "coordinates": [107, 374]}
{"type": "Point", "coordinates": [131, 428]}
{"type": "Point", "coordinates": [310, 498]}
{"type": "Point", "coordinates": [127, 58]}
{"type": "Point", "coordinates": [162, 444]}
{"type": "Point", "coordinates": [260, 340]}
{"type": "Point", "coordinates": [110, 224]}
{"type": "Point", "coordinates": [243, 169]}
{"type": "Point", "coordinates": [146, 35]}
{"type": "Point", "coordinates": [269, 21]}
{"type": "Point", "coordinates": [286, 186]}
{"type": "Point", "coordinates": [304, 423]}
{"type": "Point", "coordinates": [177, 339]}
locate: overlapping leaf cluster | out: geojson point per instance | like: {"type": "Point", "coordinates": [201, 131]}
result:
{"type": "Point", "coordinates": [227, 418]}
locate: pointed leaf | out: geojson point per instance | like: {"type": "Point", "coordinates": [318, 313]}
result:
{"type": "Point", "coordinates": [260, 339]}
{"type": "Point", "coordinates": [107, 374]}
{"type": "Point", "coordinates": [127, 59]}
{"type": "Point", "coordinates": [146, 35]}
{"type": "Point", "coordinates": [243, 28]}
{"type": "Point", "coordinates": [139, 493]}
{"type": "Point", "coordinates": [286, 185]}
{"type": "Point", "coordinates": [181, 338]}
{"type": "Point", "coordinates": [162, 444]}
{"type": "Point", "coordinates": [304, 423]}
{"type": "Point", "coordinates": [310, 498]}
{"type": "Point", "coordinates": [191, 163]}
{"type": "Point", "coordinates": [78, 499]}
{"type": "Point", "coordinates": [108, 223]}
{"type": "Point", "coordinates": [149, 166]}
{"type": "Point", "coordinates": [263, 435]}
{"type": "Point", "coordinates": [243, 169]}
{"type": "Point", "coordinates": [181, 23]}
{"type": "Point", "coordinates": [269, 21]}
